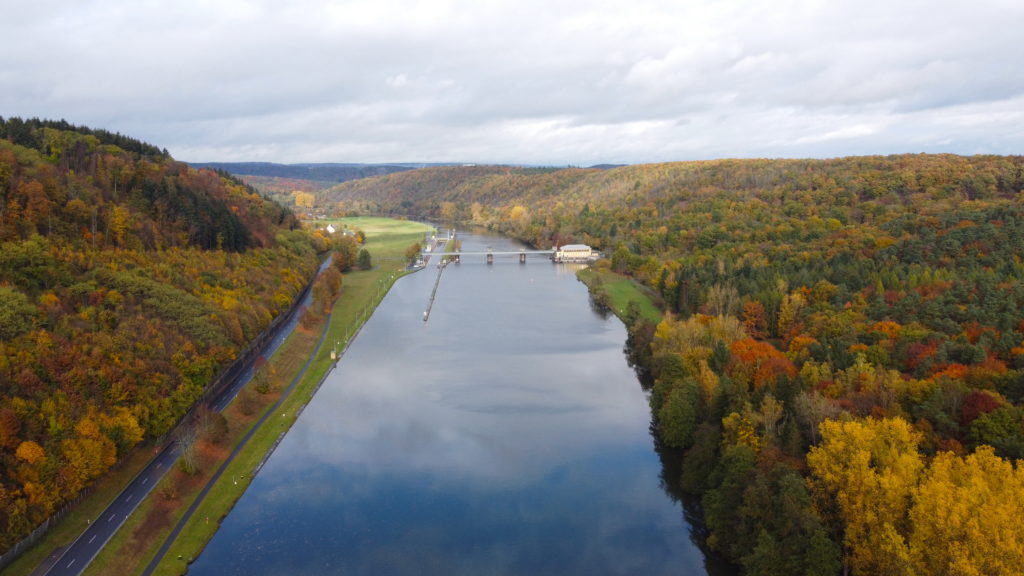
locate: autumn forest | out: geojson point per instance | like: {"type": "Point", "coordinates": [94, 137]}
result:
{"type": "Point", "coordinates": [836, 379]}
{"type": "Point", "coordinates": [128, 281]}
{"type": "Point", "coordinates": [840, 365]}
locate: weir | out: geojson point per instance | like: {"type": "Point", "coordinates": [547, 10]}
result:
{"type": "Point", "coordinates": [433, 293]}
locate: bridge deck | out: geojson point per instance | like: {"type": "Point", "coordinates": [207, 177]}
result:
{"type": "Point", "coordinates": [516, 253]}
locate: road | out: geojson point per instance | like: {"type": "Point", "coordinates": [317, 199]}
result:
{"type": "Point", "coordinates": [273, 410]}
{"type": "Point", "coordinates": [81, 552]}
{"type": "Point", "coordinates": [76, 557]}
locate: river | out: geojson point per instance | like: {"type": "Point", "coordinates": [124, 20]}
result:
{"type": "Point", "coordinates": [506, 435]}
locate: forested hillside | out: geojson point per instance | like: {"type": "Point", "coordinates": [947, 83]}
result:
{"type": "Point", "coordinates": [127, 282]}
{"type": "Point", "coordinates": [841, 362]}
{"type": "Point", "coordinates": [292, 184]}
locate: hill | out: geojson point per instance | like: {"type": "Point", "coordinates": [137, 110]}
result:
{"type": "Point", "coordinates": [840, 367]}
{"type": "Point", "coordinates": [127, 282]}
{"type": "Point", "coordinates": [328, 172]}
{"type": "Point", "coordinates": [283, 182]}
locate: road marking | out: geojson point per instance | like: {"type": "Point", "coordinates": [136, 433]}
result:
{"type": "Point", "coordinates": [93, 538]}
{"type": "Point", "coordinates": [129, 497]}
{"type": "Point", "coordinates": [70, 563]}
{"type": "Point", "coordinates": [111, 518]}
{"type": "Point", "coordinates": [144, 480]}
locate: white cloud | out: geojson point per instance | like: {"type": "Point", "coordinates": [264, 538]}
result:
{"type": "Point", "coordinates": [529, 81]}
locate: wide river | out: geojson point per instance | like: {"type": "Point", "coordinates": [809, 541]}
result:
{"type": "Point", "coordinates": [506, 435]}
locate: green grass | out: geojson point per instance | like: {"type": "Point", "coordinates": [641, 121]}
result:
{"type": "Point", "coordinates": [621, 290]}
{"type": "Point", "coordinates": [361, 291]}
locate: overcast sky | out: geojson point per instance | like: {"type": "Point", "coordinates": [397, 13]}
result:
{"type": "Point", "coordinates": [551, 82]}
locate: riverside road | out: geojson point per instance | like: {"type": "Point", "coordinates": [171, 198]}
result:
{"type": "Point", "coordinates": [73, 560]}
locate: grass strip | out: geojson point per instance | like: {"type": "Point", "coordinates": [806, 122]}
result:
{"type": "Point", "coordinates": [618, 292]}
{"type": "Point", "coordinates": [361, 292]}
{"type": "Point", "coordinates": [136, 543]}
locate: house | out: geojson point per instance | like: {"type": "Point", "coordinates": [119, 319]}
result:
{"type": "Point", "coordinates": [574, 253]}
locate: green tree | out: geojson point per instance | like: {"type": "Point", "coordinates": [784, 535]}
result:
{"type": "Point", "coordinates": [722, 503]}
{"type": "Point", "coordinates": [412, 253]}
{"type": "Point", "coordinates": [363, 260]}
{"type": "Point", "coordinates": [345, 253]}
{"type": "Point", "coordinates": [17, 315]}
{"type": "Point", "coordinates": [680, 414]}
{"type": "Point", "coordinates": [779, 533]}
{"type": "Point", "coordinates": [1003, 429]}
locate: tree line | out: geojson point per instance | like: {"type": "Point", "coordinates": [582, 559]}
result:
{"type": "Point", "coordinates": [127, 282]}
{"type": "Point", "coordinates": [840, 367]}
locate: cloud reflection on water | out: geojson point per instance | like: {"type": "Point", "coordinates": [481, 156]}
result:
{"type": "Point", "coordinates": [426, 451]}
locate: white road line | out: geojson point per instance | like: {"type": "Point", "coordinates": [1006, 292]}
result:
{"type": "Point", "coordinates": [128, 499]}
{"type": "Point", "coordinates": [146, 479]}
{"type": "Point", "coordinates": [111, 518]}
{"type": "Point", "coordinates": [70, 563]}
{"type": "Point", "coordinates": [93, 538]}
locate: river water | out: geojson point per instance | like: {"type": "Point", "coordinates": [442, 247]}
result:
{"type": "Point", "coordinates": [506, 435]}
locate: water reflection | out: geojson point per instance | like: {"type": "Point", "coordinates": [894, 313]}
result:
{"type": "Point", "coordinates": [507, 435]}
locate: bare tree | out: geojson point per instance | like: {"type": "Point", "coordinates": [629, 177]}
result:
{"type": "Point", "coordinates": [812, 409]}
{"type": "Point", "coordinates": [186, 436]}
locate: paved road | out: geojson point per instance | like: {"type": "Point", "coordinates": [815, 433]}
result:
{"type": "Point", "coordinates": [101, 529]}
{"type": "Point", "coordinates": [227, 461]}
{"type": "Point", "coordinates": [81, 552]}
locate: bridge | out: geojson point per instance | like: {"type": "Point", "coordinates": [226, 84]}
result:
{"type": "Point", "coordinates": [457, 256]}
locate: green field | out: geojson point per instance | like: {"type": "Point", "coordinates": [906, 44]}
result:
{"type": "Point", "coordinates": [620, 291]}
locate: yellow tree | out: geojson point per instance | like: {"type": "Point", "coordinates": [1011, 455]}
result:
{"type": "Point", "coordinates": [863, 474]}
{"type": "Point", "coordinates": [966, 516]}
{"type": "Point", "coordinates": [30, 452]}
{"type": "Point", "coordinates": [303, 199]}
{"type": "Point", "coordinates": [118, 224]}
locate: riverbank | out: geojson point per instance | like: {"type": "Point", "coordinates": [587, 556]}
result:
{"type": "Point", "coordinates": [132, 548]}
{"type": "Point", "coordinates": [360, 293]}
{"type": "Point", "coordinates": [621, 295]}
{"type": "Point", "coordinates": [508, 417]}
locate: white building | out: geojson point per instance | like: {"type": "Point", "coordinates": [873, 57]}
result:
{"type": "Point", "coordinates": [574, 253]}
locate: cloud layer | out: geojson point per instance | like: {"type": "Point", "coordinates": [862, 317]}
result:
{"type": "Point", "coordinates": [568, 82]}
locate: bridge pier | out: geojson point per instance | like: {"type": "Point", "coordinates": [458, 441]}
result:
{"type": "Point", "coordinates": [522, 257]}
{"type": "Point", "coordinates": [490, 258]}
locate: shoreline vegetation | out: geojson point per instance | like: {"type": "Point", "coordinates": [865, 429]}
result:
{"type": "Point", "coordinates": [841, 359]}
{"type": "Point", "coordinates": [129, 282]}
{"type": "Point", "coordinates": [134, 546]}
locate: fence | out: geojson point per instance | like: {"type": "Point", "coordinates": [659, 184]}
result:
{"type": "Point", "coordinates": [12, 554]}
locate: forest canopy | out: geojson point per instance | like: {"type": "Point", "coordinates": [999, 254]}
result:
{"type": "Point", "coordinates": [128, 281]}
{"type": "Point", "coordinates": [840, 366]}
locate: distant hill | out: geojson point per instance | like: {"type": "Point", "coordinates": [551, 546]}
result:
{"type": "Point", "coordinates": [436, 191]}
{"type": "Point", "coordinates": [317, 172]}
{"type": "Point", "coordinates": [128, 281]}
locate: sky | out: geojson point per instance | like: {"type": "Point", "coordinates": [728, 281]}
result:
{"type": "Point", "coordinates": [548, 82]}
